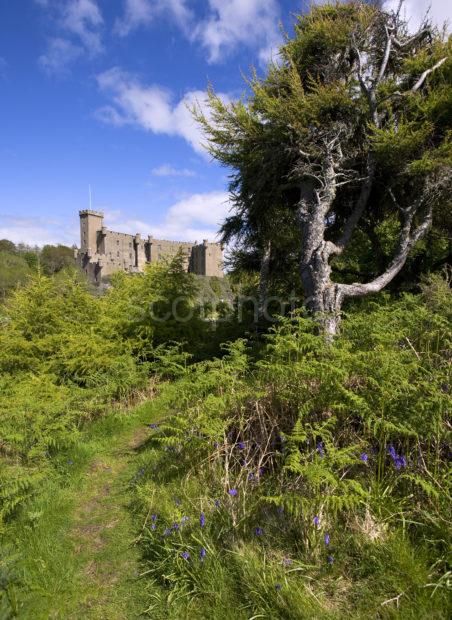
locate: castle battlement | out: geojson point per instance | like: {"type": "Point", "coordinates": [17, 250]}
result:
{"type": "Point", "coordinates": [104, 252]}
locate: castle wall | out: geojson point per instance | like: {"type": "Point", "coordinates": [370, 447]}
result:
{"type": "Point", "coordinates": [103, 252]}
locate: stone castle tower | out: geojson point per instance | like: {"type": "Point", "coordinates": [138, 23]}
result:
{"type": "Point", "coordinates": [103, 252]}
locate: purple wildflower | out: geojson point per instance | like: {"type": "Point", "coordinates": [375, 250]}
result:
{"type": "Point", "coordinates": [232, 492]}
{"type": "Point", "coordinates": [330, 559]}
{"type": "Point", "coordinates": [287, 562]}
{"type": "Point", "coordinates": [251, 476]}
{"type": "Point", "coordinates": [217, 503]}
{"type": "Point", "coordinates": [316, 521]}
{"type": "Point", "coordinates": [153, 426]}
{"type": "Point", "coordinates": [185, 555]}
{"type": "Point", "coordinates": [261, 471]}
{"type": "Point", "coordinates": [202, 519]}
{"type": "Point", "coordinates": [202, 554]}
{"type": "Point", "coordinates": [392, 453]}
{"type": "Point", "coordinates": [364, 457]}
{"type": "Point", "coordinates": [327, 539]}
{"type": "Point", "coordinates": [167, 532]}
{"type": "Point", "coordinates": [216, 445]}
{"type": "Point", "coordinates": [70, 462]}
{"type": "Point", "coordinates": [176, 527]}
{"type": "Point", "coordinates": [184, 519]}
{"type": "Point", "coordinates": [258, 531]}
{"type": "Point", "coordinates": [153, 526]}
{"type": "Point", "coordinates": [241, 445]}
{"type": "Point", "coordinates": [278, 587]}
{"type": "Point", "coordinates": [280, 510]}
{"type": "Point", "coordinates": [154, 518]}
{"type": "Point", "coordinates": [320, 449]}
{"type": "Point", "coordinates": [399, 462]}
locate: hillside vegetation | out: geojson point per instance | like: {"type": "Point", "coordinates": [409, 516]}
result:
{"type": "Point", "coordinates": [286, 477]}
{"type": "Point", "coordinates": [285, 455]}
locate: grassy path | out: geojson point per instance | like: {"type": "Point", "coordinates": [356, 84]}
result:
{"type": "Point", "coordinates": [77, 557]}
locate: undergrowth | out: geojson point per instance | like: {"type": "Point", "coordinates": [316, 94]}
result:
{"type": "Point", "coordinates": [312, 482]}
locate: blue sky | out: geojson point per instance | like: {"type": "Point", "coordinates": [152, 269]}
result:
{"type": "Point", "coordinates": [95, 92]}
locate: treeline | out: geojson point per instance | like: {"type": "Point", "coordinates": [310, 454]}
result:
{"type": "Point", "coordinates": [17, 262]}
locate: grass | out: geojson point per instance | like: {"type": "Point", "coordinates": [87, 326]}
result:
{"type": "Point", "coordinates": [73, 551]}
{"type": "Point", "coordinates": [85, 548]}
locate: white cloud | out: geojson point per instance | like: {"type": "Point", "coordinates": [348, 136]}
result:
{"type": "Point", "coordinates": [60, 55]}
{"type": "Point", "coordinates": [37, 231]}
{"type": "Point", "coordinates": [226, 24]}
{"type": "Point", "coordinates": [79, 24]}
{"type": "Point", "coordinates": [231, 22]}
{"type": "Point", "coordinates": [151, 107]}
{"type": "Point", "coordinates": [439, 12]}
{"type": "Point", "coordinates": [194, 218]}
{"type": "Point", "coordinates": [83, 19]}
{"type": "Point", "coordinates": [166, 170]}
{"type": "Point", "coordinates": [138, 13]}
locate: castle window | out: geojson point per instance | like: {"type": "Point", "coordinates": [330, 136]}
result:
{"type": "Point", "coordinates": [118, 254]}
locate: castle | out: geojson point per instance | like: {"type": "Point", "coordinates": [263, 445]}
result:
{"type": "Point", "coordinates": [103, 252]}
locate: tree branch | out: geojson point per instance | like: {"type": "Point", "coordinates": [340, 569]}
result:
{"type": "Point", "coordinates": [359, 209]}
{"type": "Point", "coordinates": [426, 73]}
{"type": "Point", "coordinates": [407, 240]}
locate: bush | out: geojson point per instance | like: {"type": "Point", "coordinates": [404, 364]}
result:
{"type": "Point", "coordinates": [310, 462]}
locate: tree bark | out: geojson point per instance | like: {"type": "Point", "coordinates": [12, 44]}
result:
{"type": "Point", "coordinates": [263, 280]}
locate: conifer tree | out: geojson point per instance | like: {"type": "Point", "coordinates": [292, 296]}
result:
{"type": "Point", "coordinates": [348, 134]}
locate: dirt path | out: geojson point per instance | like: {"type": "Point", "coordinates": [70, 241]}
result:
{"type": "Point", "coordinates": [103, 537]}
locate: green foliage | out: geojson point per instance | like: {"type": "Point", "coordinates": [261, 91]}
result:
{"type": "Point", "coordinates": [54, 258]}
{"type": "Point", "coordinates": [14, 270]}
{"type": "Point", "coordinates": [273, 143]}
{"type": "Point", "coordinates": [355, 434]}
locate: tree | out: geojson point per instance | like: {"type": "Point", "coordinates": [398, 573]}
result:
{"type": "Point", "coordinates": [56, 257]}
{"type": "Point", "coordinates": [7, 246]}
{"type": "Point", "coordinates": [348, 135]}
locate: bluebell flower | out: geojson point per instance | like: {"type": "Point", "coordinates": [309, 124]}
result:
{"type": "Point", "coordinates": [392, 453]}
{"type": "Point", "coordinates": [202, 519]}
{"type": "Point", "coordinates": [185, 555]}
{"type": "Point", "coordinates": [320, 449]}
{"type": "Point", "coordinates": [241, 445]}
{"type": "Point", "coordinates": [261, 471]}
{"type": "Point", "coordinates": [330, 559]}
{"type": "Point", "coordinates": [176, 527]}
{"type": "Point", "coordinates": [327, 539]}
{"type": "Point", "coordinates": [202, 554]}
{"type": "Point", "coordinates": [233, 492]}
{"type": "Point", "coordinates": [243, 463]}
{"type": "Point", "coordinates": [316, 521]}
{"type": "Point", "coordinates": [258, 531]}
{"type": "Point", "coordinates": [153, 426]}
{"type": "Point", "coordinates": [167, 532]}
{"type": "Point", "coordinates": [287, 562]}
{"type": "Point", "coordinates": [217, 503]}
{"type": "Point", "coordinates": [251, 476]}
{"type": "Point", "coordinates": [364, 458]}
{"type": "Point", "coordinates": [399, 462]}
{"type": "Point", "coordinates": [184, 519]}
{"type": "Point", "coordinates": [154, 518]}
{"type": "Point", "coordinates": [216, 445]}
{"type": "Point", "coordinates": [153, 526]}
